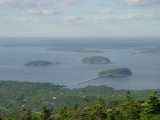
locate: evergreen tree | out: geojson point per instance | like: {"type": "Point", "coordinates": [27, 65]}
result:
{"type": "Point", "coordinates": [46, 114]}
{"type": "Point", "coordinates": [153, 105]}
{"type": "Point", "coordinates": [28, 115]}
{"type": "Point", "coordinates": [130, 108]}
{"type": "Point", "coordinates": [152, 109]}
{"type": "Point", "coordinates": [115, 114]}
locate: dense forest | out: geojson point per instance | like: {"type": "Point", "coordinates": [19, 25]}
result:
{"type": "Point", "coordinates": [46, 101]}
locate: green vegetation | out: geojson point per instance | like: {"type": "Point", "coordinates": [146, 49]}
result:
{"type": "Point", "coordinates": [38, 63]}
{"type": "Point", "coordinates": [96, 60]}
{"type": "Point", "coordinates": [21, 100]}
{"type": "Point", "coordinates": [77, 50]}
{"type": "Point", "coordinates": [118, 72]}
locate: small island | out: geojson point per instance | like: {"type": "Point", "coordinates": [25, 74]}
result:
{"type": "Point", "coordinates": [75, 50]}
{"type": "Point", "coordinates": [38, 63]}
{"type": "Point", "coordinates": [96, 60]}
{"type": "Point", "coordinates": [118, 72]}
{"type": "Point", "coordinates": [152, 52]}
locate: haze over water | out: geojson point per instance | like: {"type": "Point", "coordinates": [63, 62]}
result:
{"type": "Point", "coordinates": [123, 52]}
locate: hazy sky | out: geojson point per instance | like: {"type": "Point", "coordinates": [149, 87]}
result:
{"type": "Point", "coordinates": [79, 18]}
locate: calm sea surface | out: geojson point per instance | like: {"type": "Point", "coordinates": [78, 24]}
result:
{"type": "Point", "coordinates": [123, 53]}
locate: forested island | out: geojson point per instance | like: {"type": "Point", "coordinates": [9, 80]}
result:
{"type": "Point", "coordinates": [46, 101]}
{"type": "Point", "coordinates": [77, 50]}
{"type": "Point", "coordinates": [96, 60]}
{"type": "Point", "coordinates": [118, 72]}
{"type": "Point", "coordinates": [38, 63]}
{"type": "Point", "coordinates": [153, 51]}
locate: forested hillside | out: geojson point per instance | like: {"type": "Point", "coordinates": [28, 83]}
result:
{"type": "Point", "coordinates": [45, 101]}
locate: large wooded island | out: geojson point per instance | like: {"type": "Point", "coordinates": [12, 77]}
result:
{"type": "Point", "coordinates": [118, 72]}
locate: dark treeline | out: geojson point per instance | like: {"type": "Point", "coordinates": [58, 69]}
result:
{"type": "Point", "coordinates": [45, 101]}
